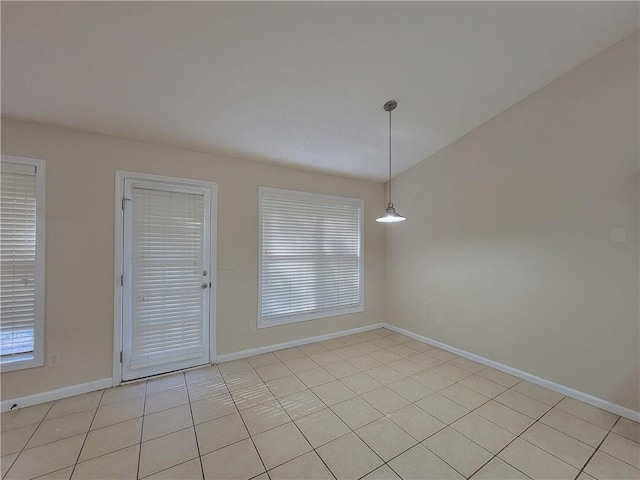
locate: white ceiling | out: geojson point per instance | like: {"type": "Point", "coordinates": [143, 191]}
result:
{"type": "Point", "coordinates": [293, 83]}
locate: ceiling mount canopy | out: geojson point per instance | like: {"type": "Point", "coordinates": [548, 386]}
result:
{"type": "Point", "coordinates": [390, 215]}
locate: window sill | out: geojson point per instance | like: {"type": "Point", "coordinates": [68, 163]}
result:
{"type": "Point", "coordinates": [20, 362]}
{"type": "Point", "coordinates": [307, 317]}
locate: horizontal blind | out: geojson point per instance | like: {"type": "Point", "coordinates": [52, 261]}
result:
{"type": "Point", "coordinates": [310, 246]}
{"type": "Point", "coordinates": [166, 270]}
{"type": "Point", "coordinates": [17, 258]}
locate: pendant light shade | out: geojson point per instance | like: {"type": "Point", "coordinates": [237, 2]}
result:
{"type": "Point", "coordinates": [390, 215]}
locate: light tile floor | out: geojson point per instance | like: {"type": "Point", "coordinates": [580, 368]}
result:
{"type": "Point", "coordinates": [376, 405]}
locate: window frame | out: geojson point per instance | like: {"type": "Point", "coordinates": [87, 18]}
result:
{"type": "Point", "coordinates": [35, 358]}
{"type": "Point", "coordinates": [304, 317]}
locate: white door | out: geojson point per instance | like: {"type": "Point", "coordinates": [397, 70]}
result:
{"type": "Point", "coordinates": [166, 277]}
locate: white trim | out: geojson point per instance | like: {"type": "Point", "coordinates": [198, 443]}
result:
{"type": "Point", "coordinates": [117, 272]}
{"type": "Point", "coordinates": [37, 359]}
{"type": "Point", "coordinates": [120, 177]}
{"type": "Point", "coordinates": [294, 343]}
{"type": "Point", "coordinates": [260, 323]}
{"type": "Point", "coordinates": [57, 394]}
{"type": "Point", "coordinates": [556, 387]}
{"type": "Point", "coordinates": [569, 392]}
{"type": "Point", "coordinates": [204, 358]}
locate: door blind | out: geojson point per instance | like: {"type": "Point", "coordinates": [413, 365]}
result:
{"type": "Point", "coordinates": [17, 258]}
{"type": "Point", "coordinates": [310, 256]}
{"type": "Point", "coordinates": [167, 276]}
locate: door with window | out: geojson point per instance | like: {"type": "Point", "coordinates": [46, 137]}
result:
{"type": "Point", "coordinates": [166, 280]}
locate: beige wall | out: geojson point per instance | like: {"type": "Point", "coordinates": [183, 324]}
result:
{"type": "Point", "coordinates": [80, 245]}
{"type": "Point", "coordinates": [507, 237]}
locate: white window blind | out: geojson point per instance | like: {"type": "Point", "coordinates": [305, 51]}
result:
{"type": "Point", "coordinates": [310, 256]}
{"type": "Point", "coordinates": [21, 268]}
{"type": "Point", "coordinates": [167, 276]}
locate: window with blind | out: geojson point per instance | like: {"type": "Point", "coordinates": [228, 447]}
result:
{"type": "Point", "coordinates": [21, 263]}
{"type": "Point", "coordinates": [310, 263]}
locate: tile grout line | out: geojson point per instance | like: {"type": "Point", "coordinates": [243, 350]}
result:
{"type": "Point", "coordinates": [351, 430]}
{"type": "Point", "coordinates": [296, 425]}
{"type": "Point", "coordinates": [597, 449]}
{"type": "Point", "coordinates": [381, 348]}
{"type": "Point", "coordinates": [326, 406]}
{"type": "Point", "coordinates": [329, 408]}
{"type": "Point", "coordinates": [571, 436]}
{"type": "Point", "coordinates": [584, 420]}
{"type": "Point", "coordinates": [144, 409]}
{"type": "Point", "coordinates": [384, 416]}
{"type": "Point", "coordinates": [535, 420]}
{"type": "Point", "coordinates": [244, 423]}
{"type": "Point", "coordinates": [359, 396]}
{"type": "Point", "coordinates": [179, 430]}
{"type": "Point", "coordinates": [448, 425]}
{"type": "Point", "coordinates": [86, 435]}
{"type": "Point", "coordinates": [192, 426]}
{"type": "Point", "coordinates": [97, 429]}
{"type": "Point", "coordinates": [193, 421]}
{"type": "Point", "coordinates": [63, 438]}
{"type": "Point", "coordinates": [517, 437]}
{"type": "Point", "coordinates": [29, 439]}
{"type": "Point", "coordinates": [612, 455]}
{"type": "Point", "coordinates": [420, 442]}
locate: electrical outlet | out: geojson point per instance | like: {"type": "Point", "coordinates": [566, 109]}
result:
{"type": "Point", "coordinates": [440, 322]}
{"type": "Point", "coordinates": [225, 264]}
{"type": "Point", "coordinates": [252, 326]}
{"type": "Point", "coordinates": [54, 359]}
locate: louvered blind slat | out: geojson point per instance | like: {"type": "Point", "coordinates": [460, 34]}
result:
{"type": "Point", "coordinates": [166, 266]}
{"type": "Point", "coordinates": [18, 195]}
{"type": "Point", "coordinates": [310, 256]}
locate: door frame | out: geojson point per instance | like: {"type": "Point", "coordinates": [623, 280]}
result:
{"type": "Point", "coordinates": [121, 175]}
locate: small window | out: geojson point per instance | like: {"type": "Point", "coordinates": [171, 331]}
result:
{"type": "Point", "coordinates": [310, 263]}
{"type": "Point", "coordinates": [22, 217]}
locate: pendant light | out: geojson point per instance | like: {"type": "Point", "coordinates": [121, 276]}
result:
{"type": "Point", "coordinates": [390, 215]}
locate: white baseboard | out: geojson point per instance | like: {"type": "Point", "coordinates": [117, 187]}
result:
{"type": "Point", "coordinates": [72, 390]}
{"type": "Point", "coordinates": [569, 392]}
{"type": "Point", "coordinates": [57, 394]}
{"type": "Point", "coordinates": [294, 343]}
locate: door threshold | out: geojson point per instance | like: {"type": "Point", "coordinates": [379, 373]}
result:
{"type": "Point", "coordinates": [165, 374]}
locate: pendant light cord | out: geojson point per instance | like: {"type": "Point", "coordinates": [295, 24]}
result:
{"type": "Point", "coordinates": [389, 156]}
